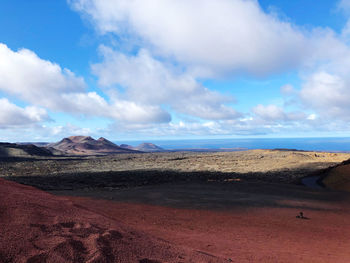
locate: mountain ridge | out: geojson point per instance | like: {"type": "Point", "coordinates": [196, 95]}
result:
{"type": "Point", "coordinates": [86, 145]}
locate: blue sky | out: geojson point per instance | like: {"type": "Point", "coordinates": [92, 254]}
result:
{"type": "Point", "coordinates": [167, 69]}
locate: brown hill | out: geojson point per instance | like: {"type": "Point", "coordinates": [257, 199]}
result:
{"type": "Point", "coordinates": [338, 177]}
{"type": "Point", "coordinates": [9, 150]}
{"type": "Point", "coordinates": [39, 227]}
{"type": "Point", "coordinates": [86, 145]}
{"type": "Point", "coordinates": [127, 146]}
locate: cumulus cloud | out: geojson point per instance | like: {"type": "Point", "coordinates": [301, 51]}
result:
{"type": "Point", "coordinates": [92, 104]}
{"type": "Point", "coordinates": [129, 111]}
{"type": "Point", "coordinates": [327, 93]}
{"type": "Point", "coordinates": [270, 112]}
{"type": "Point", "coordinates": [13, 116]}
{"type": "Point", "coordinates": [325, 86]}
{"type": "Point", "coordinates": [35, 80]}
{"type": "Point", "coordinates": [273, 113]}
{"type": "Point", "coordinates": [148, 81]}
{"type": "Point", "coordinates": [211, 38]}
{"type": "Point", "coordinates": [42, 83]}
{"type": "Point", "coordinates": [178, 43]}
{"type": "Point", "coordinates": [215, 36]}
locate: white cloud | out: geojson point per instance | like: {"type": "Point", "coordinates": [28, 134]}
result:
{"type": "Point", "coordinates": [129, 111]}
{"type": "Point", "coordinates": [240, 127]}
{"type": "Point", "coordinates": [178, 43]}
{"type": "Point", "coordinates": [14, 116]}
{"type": "Point", "coordinates": [66, 130]}
{"type": "Point", "coordinates": [183, 129]}
{"type": "Point", "coordinates": [327, 93]}
{"type": "Point", "coordinates": [270, 112]}
{"type": "Point", "coordinates": [45, 84]}
{"type": "Point", "coordinates": [312, 117]}
{"type": "Point", "coordinates": [148, 81]}
{"type": "Point", "coordinates": [344, 5]}
{"type": "Point", "coordinates": [44, 133]}
{"type": "Point", "coordinates": [92, 104]}
{"type": "Point", "coordinates": [35, 80]}
{"type": "Point", "coordinates": [287, 90]}
{"type": "Point", "coordinates": [325, 87]}
{"type": "Point", "coordinates": [215, 36]}
{"type": "Point", "coordinates": [225, 36]}
{"type": "Point", "coordinates": [273, 113]}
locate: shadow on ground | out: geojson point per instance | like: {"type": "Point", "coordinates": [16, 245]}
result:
{"type": "Point", "coordinates": [193, 190]}
{"type": "Point", "coordinates": [126, 179]}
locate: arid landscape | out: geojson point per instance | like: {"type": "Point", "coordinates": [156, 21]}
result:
{"type": "Point", "coordinates": [174, 131]}
{"type": "Point", "coordinates": [172, 207]}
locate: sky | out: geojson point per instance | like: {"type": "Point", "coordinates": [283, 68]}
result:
{"type": "Point", "coordinates": [174, 69]}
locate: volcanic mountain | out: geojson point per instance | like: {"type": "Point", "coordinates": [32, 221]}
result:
{"type": "Point", "coordinates": [86, 145]}
{"type": "Point", "coordinates": [23, 151]}
{"type": "Point", "coordinates": [144, 147]}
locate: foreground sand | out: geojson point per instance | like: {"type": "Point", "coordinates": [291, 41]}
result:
{"type": "Point", "coordinates": [37, 227]}
{"type": "Point", "coordinates": [196, 222]}
{"type": "Point", "coordinates": [242, 222]}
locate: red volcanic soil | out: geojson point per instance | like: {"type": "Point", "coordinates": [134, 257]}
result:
{"type": "Point", "coordinates": [39, 227]}
{"type": "Point", "coordinates": [241, 222]}
{"type": "Point", "coordinates": [259, 231]}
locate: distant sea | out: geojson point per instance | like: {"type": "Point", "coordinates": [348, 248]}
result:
{"type": "Point", "coordinates": [307, 144]}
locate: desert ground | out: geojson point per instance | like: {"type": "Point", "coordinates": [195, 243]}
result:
{"type": "Point", "coordinates": [99, 171]}
{"type": "Point", "coordinates": [173, 207]}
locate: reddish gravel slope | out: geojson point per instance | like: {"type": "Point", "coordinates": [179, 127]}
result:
{"type": "Point", "coordinates": [39, 227]}
{"type": "Point", "coordinates": [241, 222]}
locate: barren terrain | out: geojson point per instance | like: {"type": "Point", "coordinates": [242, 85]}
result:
{"type": "Point", "coordinates": [190, 207]}
{"type": "Point", "coordinates": [148, 168]}
{"type": "Point", "coordinates": [237, 222]}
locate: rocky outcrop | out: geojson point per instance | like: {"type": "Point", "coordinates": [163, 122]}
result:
{"type": "Point", "coordinates": [9, 150]}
